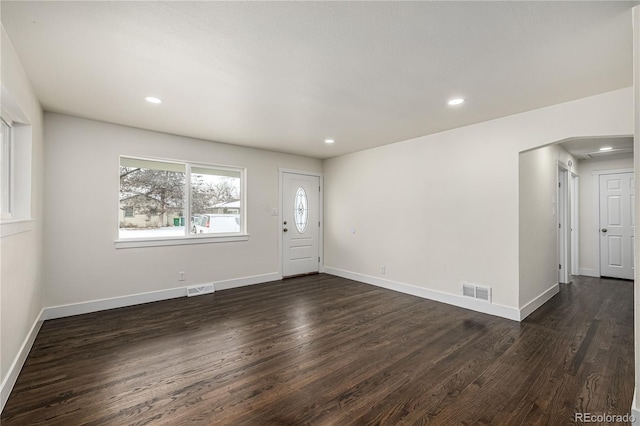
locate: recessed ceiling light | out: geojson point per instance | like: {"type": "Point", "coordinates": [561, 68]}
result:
{"type": "Point", "coordinates": [606, 148]}
{"type": "Point", "coordinates": [456, 101]}
{"type": "Point", "coordinates": [153, 100]}
{"type": "Point", "coordinates": [329, 141]}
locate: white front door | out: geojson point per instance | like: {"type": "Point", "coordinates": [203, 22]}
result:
{"type": "Point", "coordinates": [617, 192]}
{"type": "Point", "coordinates": [300, 224]}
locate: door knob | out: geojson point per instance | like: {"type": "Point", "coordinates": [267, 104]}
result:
{"type": "Point", "coordinates": [285, 229]}
{"type": "Point", "coordinates": [604, 229]}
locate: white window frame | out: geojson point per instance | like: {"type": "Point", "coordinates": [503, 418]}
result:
{"type": "Point", "coordinates": [19, 219]}
{"type": "Point", "coordinates": [189, 238]}
{"type": "Point", "coordinates": [7, 178]}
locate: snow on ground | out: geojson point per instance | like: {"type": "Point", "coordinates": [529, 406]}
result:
{"type": "Point", "coordinates": [167, 231]}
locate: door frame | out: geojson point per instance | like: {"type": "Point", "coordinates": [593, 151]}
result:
{"type": "Point", "coordinates": [596, 231]}
{"type": "Point", "coordinates": [563, 218]}
{"type": "Point", "coordinates": [574, 202]}
{"type": "Point", "coordinates": [320, 176]}
{"type": "Point", "coordinates": [567, 218]}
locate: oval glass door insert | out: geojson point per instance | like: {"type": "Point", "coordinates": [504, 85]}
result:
{"type": "Point", "coordinates": [301, 212]}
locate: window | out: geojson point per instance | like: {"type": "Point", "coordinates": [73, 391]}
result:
{"type": "Point", "coordinates": [301, 210]}
{"type": "Point", "coordinates": [16, 137]}
{"type": "Point", "coordinates": [175, 200]}
{"type": "Point", "coordinates": [213, 191]}
{"type": "Point", "coordinates": [6, 174]}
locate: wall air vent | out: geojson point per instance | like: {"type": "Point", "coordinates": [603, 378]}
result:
{"type": "Point", "coordinates": [468, 290]}
{"type": "Point", "coordinates": [476, 291]}
{"type": "Point", "coordinates": [197, 290]}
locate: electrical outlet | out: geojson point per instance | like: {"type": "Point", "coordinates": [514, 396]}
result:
{"type": "Point", "coordinates": [181, 275]}
{"type": "Point", "coordinates": [383, 269]}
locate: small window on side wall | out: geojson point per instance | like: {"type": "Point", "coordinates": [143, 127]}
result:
{"type": "Point", "coordinates": [16, 140]}
{"type": "Point", "coordinates": [6, 171]}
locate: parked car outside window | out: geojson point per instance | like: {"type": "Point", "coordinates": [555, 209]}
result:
{"type": "Point", "coordinates": [218, 224]}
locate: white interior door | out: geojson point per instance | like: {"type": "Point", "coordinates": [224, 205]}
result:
{"type": "Point", "coordinates": [564, 228]}
{"type": "Point", "coordinates": [617, 192]}
{"type": "Point", "coordinates": [301, 224]}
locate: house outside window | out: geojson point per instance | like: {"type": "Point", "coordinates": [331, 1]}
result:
{"type": "Point", "coordinates": [162, 199]}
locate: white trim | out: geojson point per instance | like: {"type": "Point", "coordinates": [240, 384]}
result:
{"type": "Point", "coordinates": [61, 311]}
{"type": "Point", "coordinates": [16, 226]}
{"type": "Point", "coordinates": [538, 301]}
{"type": "Point", "coordinates": [588, 272]}
{"type": "Point", "coordinates": [563, 237]}
{"type": "Point", "coordinates": [574, 197]}
{"type": "Point", "coordinates": [635, 412]}
{"type": "Point", "coordinates": [80, 308]}
{"type": "Point", "coordinates": [450, 299]}
{"type": "Point", "coordinates": [611, 171]}
{"type": "Point", "coordinates": [245, 281]}
{"type": "Point", "coordinates": [281, 172]}
{"type": "Point", "coordinates": [280, 220]}
{"type": "Point", "coordinates": [14, 371]}
{"type": "Point", "coordinates": [299, 172]}
{"type": "Point", "coordinates": [178, 241]}
{"type": "Point", "coordinates": [11, 167]}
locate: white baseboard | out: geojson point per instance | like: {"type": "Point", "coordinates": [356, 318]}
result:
{"type": "Point", "coordinates": [534, 304]}
{"type": "Point", "coordinates": [241, 282]}
{"type": "Point", "coordinates": [448, 298]}
{"type": "Point", "coordinates": [80, 308]}
{"type": "Point", "coordinates": [61, 311]}
{"type": "Point", "coordinates": [588, 272]}
{"type": "Point", "coordinates": [14, 371]}
{"type": "Point", "coordinates": [635, 411]}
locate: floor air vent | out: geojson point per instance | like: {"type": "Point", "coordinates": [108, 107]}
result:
{"type": "Point", "coordinates": [197, 290]}
{"type": "Point", "coordinates": [476, 291]}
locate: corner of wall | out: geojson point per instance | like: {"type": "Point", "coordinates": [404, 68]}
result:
{"type": "Point", "coordinates": [22, 284]}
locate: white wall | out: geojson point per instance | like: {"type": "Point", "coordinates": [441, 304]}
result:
{"type": "Point", "coordinates": [21, 253]}
{"type": "Point", "coordinates": [442, 209]}
{"type": "Point", "coordinates": [538, 177]}
{"type": "Point", "coordinates": [589, 203]}
{"type": "Point", "coordinates": [82, 186]}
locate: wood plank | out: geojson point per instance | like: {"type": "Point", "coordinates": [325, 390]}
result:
{"type": "Point", "coordinates": [325, 350]}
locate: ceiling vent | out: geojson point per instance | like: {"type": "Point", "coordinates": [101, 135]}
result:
{"type": "Point", "coordinates": [610, 153]}
{"type": "Point", "coordinates": [476, 291]}
{"type": "Point", "coordinates": [197, 290]}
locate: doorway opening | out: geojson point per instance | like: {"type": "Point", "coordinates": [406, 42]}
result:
{"type": "Point", "coordinates": [567, 223]}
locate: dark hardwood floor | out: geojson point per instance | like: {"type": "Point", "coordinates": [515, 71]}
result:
{"type": "Point", "coordinates": [324, 350]}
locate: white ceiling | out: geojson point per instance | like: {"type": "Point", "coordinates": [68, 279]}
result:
{"type": "Point", "coordinates": [287, 75]}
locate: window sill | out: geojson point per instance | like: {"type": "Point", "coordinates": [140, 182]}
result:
{"type": "Point", "coordinates": [16, 226]}
{"type": "Point", "coordinates": [178, 241]}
